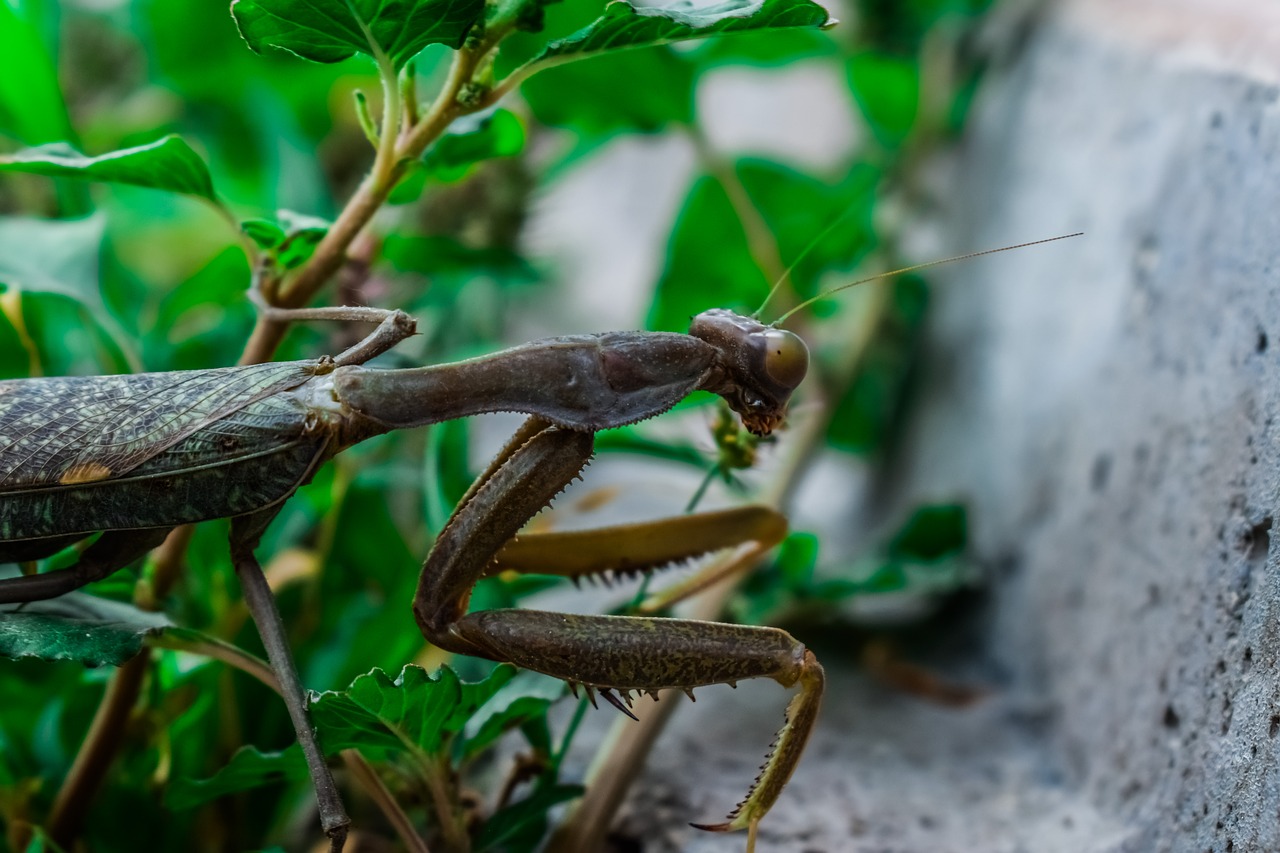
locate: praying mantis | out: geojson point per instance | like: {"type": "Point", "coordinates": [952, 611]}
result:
{"type": "Point", "coordinates": [132, 457]}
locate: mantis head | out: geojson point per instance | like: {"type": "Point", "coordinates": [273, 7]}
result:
{"type": "Point", "coordinates": [759, 366]}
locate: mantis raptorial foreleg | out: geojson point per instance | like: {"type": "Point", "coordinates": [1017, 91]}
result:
{"type": "Point", "coordinates": [613, 655]}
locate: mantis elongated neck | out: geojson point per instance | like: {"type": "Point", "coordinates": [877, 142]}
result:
{"type": "Point", "coordinates": [588, 382]}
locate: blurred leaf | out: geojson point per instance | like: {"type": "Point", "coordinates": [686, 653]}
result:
{"type": "Point", "coordinates": [931, 533]}
{"type": "Point", "coordinates": [334, 30]}
{"type": "Point", "coordinates": [624, 25]}
{"type": "Point", "coordinates": [53, 255]}
{"type": "Point", "coordinates": [829, 221]}
{"type": "Point", "coordinates": [765, 49]}
{"type": "Point", "coordinates": [77, 627]}
{"type": "Point", "coordinates": [31, 104]}
{"type": "Point", "coordinates": [525, 15]}
{"type": "Point", "coordinates": [902, 27]}
{"type": "Point", "coordinates": [417, 711]}
{"type": "Point", "coordinates": [525, 697]}
{"type": "Point", "coordinates": [440, 255]}
{"type": "Point", "coordinates": [886, 88]}
{"type": "Point", "coordinates": [169, 164]}
{"type": "Point", "coordinates": [797, 557]}
{"type": "Point", "coordinates": [471, 140]}
{"type": "Point", "coordinates": [508, 822]}
{"type": "Point", "coordinates": [52, 261]}
{"type": "Point", "coordinates": [41, 842]}
{"type": "Point", "coordinates": [697, 278]}
{"type": "Point", "coordinates": [865, 415]}
{"type": "Point", "coordinates": [796, 207]}
{"type": "Point", "coordinates": [248, 768]}
{"type": "Point", "coordinates": [640, 91]}
{"type": "Point", "coordinates": [204, 320]}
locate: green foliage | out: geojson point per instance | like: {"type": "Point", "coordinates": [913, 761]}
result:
{"type": "Point", "coordinates": [290, 240]}
{"type": "Point", "coordinates": [77, 627]}
{"type": "Point", "coordinates": [887, 90]}
{"type": "Point", "coordinates": [331, 31]}
{"type": "Point", "coordinates": [107, 266]}
{"type": "Point", "coordinates": [585, 97]}
{"type": "Point", "coordinates": [31, 106]}
{"type": "Point", "coordinates": [499, 134]}
{"type": "Point", "coordinates": [925, 556]}
{"type": "Point", "coordinates": [166, 164]}
{"type": "Point", "coordinates": [624, 25]}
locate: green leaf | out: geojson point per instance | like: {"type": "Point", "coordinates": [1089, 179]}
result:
{"type": "Point", "coordinates": [797, 208]}
{"type": "Point", "coordinates": [334, 30]}
{"type": "Point", "coordinates": [523, 698]}
{"type": "Point", "coordinates": [527, 16]}
{"type": "Point", "coordinates": [471, 140]}
{"type": "Point", "coordinates": [53, 255]}
{"type": "Point", "coordinates": [438, 255]}
{"type": "Point", "coordinates": [169, 164]}
{"type": "Point", "coordinates": [766, 49]}
{"type": "Point", "coordinates": [416, 711]}
{"type": "Point", "coordinates": [797, 557]}
{"type": "Point", "coordinates": [77, 627]}
{"type": "Point", "coordinates": [886, 88]}
{"type": "Point", "coordinates": [624, 25]}
{"type": "Point", "coordinates": [642, 91]}
{"type": "Point", "coordinates": [265, 233]}
{"type": "Point", "coordinates": [291, 239]}
{"type": "Point", "coordinates": [695, 278]}
{"type": "Point", "coordinates": [31, 104]}
{"type": "Point", "coordinates": [931, 533]}
{"type": "Point", "coordinates": [248, 768]}
{"type": "Point", "coordinates": [48, 260]}
{"type": "Point", "coordinates": [509, 821]}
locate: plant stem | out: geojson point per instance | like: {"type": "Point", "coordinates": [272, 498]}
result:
{"type": "Point", "coordinates": [436, 775]}
{"type": "Point", "coordinates": [71, 806]}
{"type": "Point", "coordinates": [368, 779]}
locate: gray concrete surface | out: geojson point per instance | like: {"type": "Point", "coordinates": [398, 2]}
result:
{"type": "Point", "coordinates": [1107, 406]}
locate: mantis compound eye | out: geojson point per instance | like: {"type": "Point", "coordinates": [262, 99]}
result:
{"type": "Point", "coordinates": [758, 366]}
{"type": "Point", "coordinates": [786, 358]}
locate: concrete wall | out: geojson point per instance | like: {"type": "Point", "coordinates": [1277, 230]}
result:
{"type": "Point", "coordinates": [1108, 406]}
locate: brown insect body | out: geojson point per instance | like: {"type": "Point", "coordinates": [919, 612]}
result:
{"type": "Point", "coordinates": [135, 456]}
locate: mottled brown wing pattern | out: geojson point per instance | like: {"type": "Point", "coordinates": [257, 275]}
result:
{"type": "Point", "coordinates": [73, 430]}
{"type": "Point", "coordinates": [151, 450]}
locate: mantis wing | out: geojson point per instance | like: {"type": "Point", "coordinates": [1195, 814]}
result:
{"type": "Point", "coordinates": [82, 454]}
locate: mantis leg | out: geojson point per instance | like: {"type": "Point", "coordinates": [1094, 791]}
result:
{"type": "Point", "coordinates": [609, 654]}
{"type": "Point", "coordinates": [631, 549]}
{"type": "Point", "coordinates": [245, 532]}
{"type": "Point", "coordinates": [394, 326]}
{"type": "Point", "coordinates": [113, 550]}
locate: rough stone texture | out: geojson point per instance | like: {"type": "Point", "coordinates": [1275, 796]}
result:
{"type": "Point", "coordinates": [1108, 408]}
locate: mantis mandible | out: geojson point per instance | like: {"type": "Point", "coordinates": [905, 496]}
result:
{"type": "Point", "coordinates": [134, 456]}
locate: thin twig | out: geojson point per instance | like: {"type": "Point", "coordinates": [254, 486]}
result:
{"type": "Point", "coordinates": [372, 785]}
{"type": "Point", "coordinates": [71, 806]}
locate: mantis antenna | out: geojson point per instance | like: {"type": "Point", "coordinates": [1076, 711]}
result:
{"type": "Point", "coordinates": [912, 268]}
{"type": "Point", "coordinates": [786, 274]}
